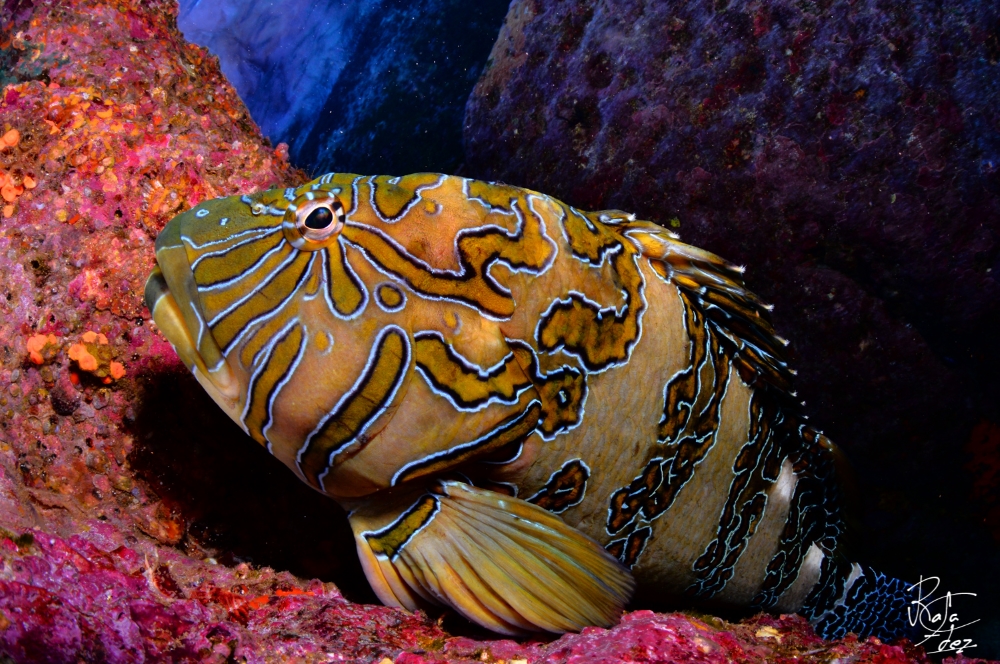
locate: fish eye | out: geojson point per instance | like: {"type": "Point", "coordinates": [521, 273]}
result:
{"type": "Point", "coordinates": [319, 219]}
{"type": "Point", "coordinates": [315, 218]}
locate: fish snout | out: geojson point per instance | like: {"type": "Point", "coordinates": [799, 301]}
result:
{"type": "Point", "coordinates": [218, 380]}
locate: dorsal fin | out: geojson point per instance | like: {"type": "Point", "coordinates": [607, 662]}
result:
{"type": "Point", "coordinates": [716, 288]}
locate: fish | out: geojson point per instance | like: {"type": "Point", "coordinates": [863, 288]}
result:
{"type": "Point", "coordinates": [533, 414]}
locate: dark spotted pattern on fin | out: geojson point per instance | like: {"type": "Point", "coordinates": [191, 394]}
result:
{"type": "Point", "coordinates": [875, 605]}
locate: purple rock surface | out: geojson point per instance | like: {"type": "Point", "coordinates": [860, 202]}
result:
{"type": "Point", "coordinates": [846, 152]}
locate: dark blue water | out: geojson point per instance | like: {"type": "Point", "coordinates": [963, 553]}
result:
{"type": "Point", "coordinates": [369, 86]}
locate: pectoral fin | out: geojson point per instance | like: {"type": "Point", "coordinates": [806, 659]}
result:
{"type": "Point", "coordinates": [501, 562]}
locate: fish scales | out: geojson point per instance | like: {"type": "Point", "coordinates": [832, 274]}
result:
{"type": "Point", "coordinates": [531, 411]}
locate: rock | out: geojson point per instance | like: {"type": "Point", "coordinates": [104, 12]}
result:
{"type": "Point", "coordinates": [109, 104]}
{"type": "Point", "coordinates": [847, 153]}
{"type": "Point", "coordinates": [94, 598]}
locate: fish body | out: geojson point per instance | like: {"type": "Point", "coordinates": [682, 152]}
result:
{"type": "Point", "coordinates": [529, 410]}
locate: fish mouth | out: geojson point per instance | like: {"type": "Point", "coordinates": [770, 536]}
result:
{"type": "Point", "coordinates": [217, 378]}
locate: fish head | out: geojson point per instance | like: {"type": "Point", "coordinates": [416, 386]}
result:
{"type": "Point", "coordinates": [256, 295]}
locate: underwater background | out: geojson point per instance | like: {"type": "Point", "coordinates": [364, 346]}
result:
{"type": "Point", "coordinates": [377, 84]}
{"type": "Point", "coordinates": [846, 152]}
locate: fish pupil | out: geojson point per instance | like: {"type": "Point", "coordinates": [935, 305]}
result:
{"type": "Point", "coordinates": [319, 219]}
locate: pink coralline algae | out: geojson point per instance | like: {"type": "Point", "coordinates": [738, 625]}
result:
{"type": "Point", "coordinates": [91, 597]}
{"type": "Point", "coordinates": [105, 123]}
{"type": "Point", "coordinates": [137, 523]}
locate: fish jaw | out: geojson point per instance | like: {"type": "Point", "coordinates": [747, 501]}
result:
{"type": "Point", "coordinates": [219, 381]}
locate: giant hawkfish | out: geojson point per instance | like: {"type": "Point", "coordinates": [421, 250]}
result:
{"type": "Point", "coordinates": [529, 411]}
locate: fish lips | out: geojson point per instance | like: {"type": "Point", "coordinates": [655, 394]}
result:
{"type": "Point", "coordinates": [172, 319]}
